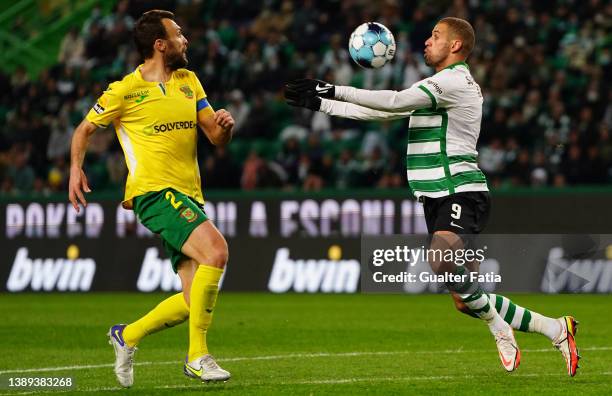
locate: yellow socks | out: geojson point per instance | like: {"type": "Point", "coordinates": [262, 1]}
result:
{"type": "Point", "coordinates": [204, 290]}
{"type": "Point", "coordinates": [168, 313]}
{"type": "Point", "coordinates": [174, 310]}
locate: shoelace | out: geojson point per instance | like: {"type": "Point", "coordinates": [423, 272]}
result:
{"type": "Point", "coordinates": [501, 336]}
{"type": "Point", "coordinates": [209, 363]}
{"type": "Point", "coordinates": [130, 359]}
{"type": "Point", "coordinates": [561, 338]}
{"type": "Point", "coordinates": [559, 346]}
{"type": "Point", "coordinates": [131, 355]}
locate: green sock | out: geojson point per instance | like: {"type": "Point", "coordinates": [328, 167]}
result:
{"type": "Point", "coordinates": [522, 319]}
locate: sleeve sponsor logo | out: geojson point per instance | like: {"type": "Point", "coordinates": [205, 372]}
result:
{"type": "Point", "coordinates": [435, 86]}
{"type": "Point", "coordinates": [98, 108]}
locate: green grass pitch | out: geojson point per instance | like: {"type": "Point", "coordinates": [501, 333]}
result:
{"type": "Point", "coordinates": [305, 344]}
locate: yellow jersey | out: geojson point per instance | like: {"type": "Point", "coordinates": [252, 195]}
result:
{"type": "Point", "coordinates": [156, 124]}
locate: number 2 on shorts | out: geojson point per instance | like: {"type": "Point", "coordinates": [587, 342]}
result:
{"type": "Point", "coordinates": [170, 196]}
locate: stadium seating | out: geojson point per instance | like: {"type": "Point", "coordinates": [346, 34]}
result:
{"type": "Point", "coordinates": [533, 132]}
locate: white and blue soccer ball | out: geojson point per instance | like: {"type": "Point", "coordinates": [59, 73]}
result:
{"type": "Point", "coordinates": [372, 45]}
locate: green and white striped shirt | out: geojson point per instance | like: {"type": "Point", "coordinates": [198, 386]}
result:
{"type": "Point", "coordinates": [445, 114]}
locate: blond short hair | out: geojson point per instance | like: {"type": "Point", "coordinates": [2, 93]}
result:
{"type": "Point", "coordinates": [464, 31]}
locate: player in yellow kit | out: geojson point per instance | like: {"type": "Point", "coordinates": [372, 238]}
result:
{"type": "Point", "coordinates": [155, 111]}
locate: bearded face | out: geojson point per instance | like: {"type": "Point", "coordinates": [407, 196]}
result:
{"type": "Point", "coordinates": [175, 57]}
{"type": "Point", "coordinates": [175, 54]}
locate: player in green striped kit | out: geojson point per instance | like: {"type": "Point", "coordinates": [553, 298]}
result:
{"type": "Point", "coordinates": [445, 113]}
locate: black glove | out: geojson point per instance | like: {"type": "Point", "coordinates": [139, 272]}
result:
{"type": "Point", "coordinates": [301, 99]}
{"type": "Point", "coordinates": [310, 87]}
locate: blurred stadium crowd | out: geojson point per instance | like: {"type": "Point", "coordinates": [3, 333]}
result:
{"type": "Point", "coordinates": [544, 68]}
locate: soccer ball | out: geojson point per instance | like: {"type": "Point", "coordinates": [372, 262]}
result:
{"type": "Point", "coordinates": [372, 45]}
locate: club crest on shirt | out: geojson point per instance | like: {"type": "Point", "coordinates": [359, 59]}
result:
{"type": "Point", "coordinates": [187, 91]}
{"type": "Point", "coordinates": [189, 215]}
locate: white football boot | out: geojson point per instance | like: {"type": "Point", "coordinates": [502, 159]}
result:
{"type": "Point", "coordinates": [205, 369]}
{"type": "Point", "coordinates": [507, 347]}
{"type": "Point", "coordinates": [124, 356]}
{"type": "Point", "coordinates": [566, 343]}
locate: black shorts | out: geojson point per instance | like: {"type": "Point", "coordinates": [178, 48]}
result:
{"type": "Point", "coordinates": [461, 213]}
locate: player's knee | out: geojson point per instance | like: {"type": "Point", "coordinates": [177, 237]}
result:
{"type": "Point", "coordinates": [441, 242]}
{"type": "Point", "coordinates": [218, 256]}
{"type": "Point", "coordinates": [208, 247]}
{"type": "Point", "coordinates": [446, 240]}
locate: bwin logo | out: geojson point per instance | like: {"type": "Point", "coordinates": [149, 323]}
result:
{"type": "Point", "coordinates": [587, 275]}
{"type": "Point", "coordinates": [51, 274]}
{"type": "Point", "coordinates": [311, 276]}
{"type": "Point", "coordinates": [156, 273]}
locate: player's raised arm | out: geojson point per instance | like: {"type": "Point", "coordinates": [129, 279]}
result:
{"type": "Point", "coordinates": [356, 112]}
{"type": "Point", "coordinates": [410, 99]}
{"type": "Point", "coordinates": [78, 181]}
{"type": "Point", "coordinates": [301, 93]}
{"type": "Point", "coordinates": [218, 126]}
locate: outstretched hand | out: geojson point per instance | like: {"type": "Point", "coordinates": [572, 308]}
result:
{"type": "Point", "coordinates": [312, 87]}
{"type": "Point", "coordinates": [299, 99]}
{"type": "Point", "coordinates": [307, 92]}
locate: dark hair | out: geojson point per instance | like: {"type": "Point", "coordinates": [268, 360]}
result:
{"type": "Point", "coordinates": [464, 31]}
{"type": "Point", "coordinates": [148, 28]}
